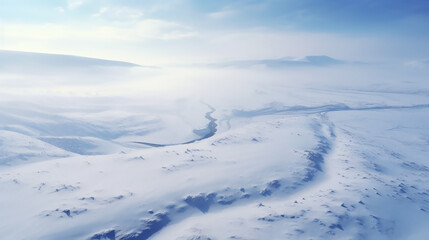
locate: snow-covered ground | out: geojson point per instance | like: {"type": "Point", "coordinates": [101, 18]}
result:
{"type": "Point", "coordinates": [314, 148]}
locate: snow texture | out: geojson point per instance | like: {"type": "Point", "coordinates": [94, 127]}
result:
{"type": "Point", "coordinates": [231, 152]}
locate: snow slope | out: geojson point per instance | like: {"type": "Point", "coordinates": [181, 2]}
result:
{"type": "Point", "coordinates": [242, 152]}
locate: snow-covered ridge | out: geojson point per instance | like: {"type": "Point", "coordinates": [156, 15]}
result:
{"type": "Point", "coordinates": [32, 60]}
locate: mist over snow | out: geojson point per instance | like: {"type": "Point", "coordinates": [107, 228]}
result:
{"type": "Point", "coordinates": [218, 120]}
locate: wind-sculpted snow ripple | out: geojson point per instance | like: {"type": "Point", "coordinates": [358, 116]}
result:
{"type": "Point", "coordinates": [314, 109]}
{"type": "Point", "coordinates": [155, 221]}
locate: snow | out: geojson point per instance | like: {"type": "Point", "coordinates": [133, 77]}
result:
{"type": "Point", "coordinates": [324, 151]}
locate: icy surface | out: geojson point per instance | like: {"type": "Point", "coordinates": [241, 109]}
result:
{"type": "Point", "coordinates": [316, 148]}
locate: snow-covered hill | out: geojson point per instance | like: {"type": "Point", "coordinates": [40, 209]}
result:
{"type": "Point", "coordinates": [324, 151]}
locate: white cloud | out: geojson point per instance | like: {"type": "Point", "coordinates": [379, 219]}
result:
{"type": "Point", "coordinates": [154, 41]}
{"type": "Point", "coordinates": [72, 4]}
{"type": "Point", "coordinates": [422, 63]}
{"type": "Point", "coordinates": [141, 30]}
{"type": "Point", "coordinates": [119, 14]}
{"type": "Point", "coordinates": [99, 13]}
{"type": "Point", "coordinates": [159, 29]}
{"type": "Point", "coordinates": [180, 43]}
{"type": "Point", "coordinates": [60, 9]}
{"type": "Point", "coordinates": [221, 14]}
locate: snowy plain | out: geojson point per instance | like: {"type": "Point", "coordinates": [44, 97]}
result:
{"type": "Point", "coordinates": [292, 148]}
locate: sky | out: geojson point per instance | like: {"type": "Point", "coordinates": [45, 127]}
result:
{"type": "Point", "coordinates": [153, 32]}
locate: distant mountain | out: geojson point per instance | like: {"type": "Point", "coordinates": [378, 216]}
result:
{"type": "Point", "coordinates": [283, 62]}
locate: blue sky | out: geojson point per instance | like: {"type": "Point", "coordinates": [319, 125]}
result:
{"type": "Point", "coordinates": [165, 31]}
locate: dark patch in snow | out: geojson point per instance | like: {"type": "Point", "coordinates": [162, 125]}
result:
{"type": "Point", "coordinates": [201, 201]}
{"type": "Point", "coordinates": [66, 188]}
{"type": "Point", "coordinates": [66, 212]}
{"type": "Point", "coordinates": [150, 227]}
{"type": "Point", "coordinates": [271, 187]}
{"type": "Point", "coordinates": [198, 238]}
{"type": "Point", "coordinates": [255, 140]}
{"type": "Point", "coordinates": [316, 160]}
{"type": "Point", "coordinates": [266, 192]}
{"type": "Point", "coordinates": [402, 188]}
{"type": "Point", "coordinates": [117, 198]}
{"type": "Point", "coordinates": [414, 166]}
{"type": "Point", "coordinates": [309, 175]}
{"type": "Point", "coordinates": [226, 200]}
{"type": "Point", "coordinates": [333, 226]}
{"type": "Point", "coordinates": [42, 185]}
{"type": "Point", "coordinates": [177, 209]}
{"type": "Point", "coordinates": [109, 234]}
{"type": "Point", "coordinates": [274, 218]}
{"type": "Point", "coordinates": [274, 184]}
{"type": "Point", "coordinates": [245, 196]}
{"type": "Point", "coordinates": [384, 226]}
{"type": "Point", "coordinates": [267, 219]}
{"type": "Point", "coordinates": [87, 198]}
